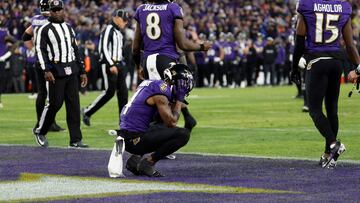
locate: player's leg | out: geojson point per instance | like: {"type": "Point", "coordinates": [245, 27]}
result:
{"type": "Point", "coordinates": [317, 81]}
{"type": "Point", "coordinates": [110, 80]}
{"type": "Point", "coordinates": [331, 105]}
{"type": "Point", "coordinates": [154, 66]}
{"type": "Point", "coordinates": [160, 141]}
{"type": "Point", "coordinates": [122, 90]}
{"type": "Point", "coordinates": [332, 95]}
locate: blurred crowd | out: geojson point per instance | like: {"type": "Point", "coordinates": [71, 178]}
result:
{"type": "Point", "coordinates": [252, 39]}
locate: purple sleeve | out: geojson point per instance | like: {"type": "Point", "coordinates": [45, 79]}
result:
{"type": "Point", "coordinates": [136, 16]}
{"type": "Point", "coordinates": [176, 11]}
{"type": "Point", "coordinates": [349, 8]}
{"type": "Point", "coordinates": [300, 6]}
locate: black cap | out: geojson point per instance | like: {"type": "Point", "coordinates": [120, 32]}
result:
{"type": "Point", "coordinates": [56, 4]}
{"type": "Point", "coordinates": [121, 13]}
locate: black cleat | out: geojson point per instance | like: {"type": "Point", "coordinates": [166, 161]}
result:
{"type": "Point", "coordinates": [190, 122]}
{"type": "Point", "coordinates": [132, 163]}
{"type": "Point", "coordinates": [85, 118]}
{"type": "Point", "coordinates": [323, 159]}
{"type": "Point", "coordinates": [41, 140]}
{"type": "Point", "coordinates": [335, 151]}
{"type": "Point", "coordinates": [56, 128]}
{"type": "Point", "coordinates": [145, 167]}
{"type": "Point", "coordinates": [78, 145]}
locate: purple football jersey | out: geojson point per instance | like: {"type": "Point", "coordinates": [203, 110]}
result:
{"type": "Point", "coordinates": [3, 33]}
{"type": "Point", "coordinates": [214, 51]}
{"type": "Point", "coordinates": [136, 114]}
{"type": "Point", "coordinates": [230, 51]}
{"type": "Point", "coordinates": [30, 55]}
{"type": "Point", "coordinates": [157, 28]}
{"type": "Point", "coordinates": [324, 22]}
{"type": "Point", "coordinates": [36, 22]}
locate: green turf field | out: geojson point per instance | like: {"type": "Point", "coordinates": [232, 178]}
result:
{"type": "Point", "coordinates": [258, 121]}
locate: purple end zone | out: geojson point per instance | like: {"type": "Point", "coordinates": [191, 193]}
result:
{"type": "Point", "coordinates": [314, 183]}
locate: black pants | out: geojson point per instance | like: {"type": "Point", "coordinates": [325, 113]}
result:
{"type": "Point", "coordinates": [155, 65]}
{"type": "Point", "coordinates": [42, 93]}
{"type": "Point", "coordinates": [158, 140]}
{"type": "Point", "coordinates": [113, 83]}
{"type": "Point", "coordinates": [323, 82]}
{"type": "Point", "coordinates": [64, 89]}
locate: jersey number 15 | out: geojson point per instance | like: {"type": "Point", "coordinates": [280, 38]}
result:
{"type": "Point", "coordinates": [321, 27]}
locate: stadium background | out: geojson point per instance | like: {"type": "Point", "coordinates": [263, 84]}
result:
{"type": "Point", "coordinates": [245, 22]}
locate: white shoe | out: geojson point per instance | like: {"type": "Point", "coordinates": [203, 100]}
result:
{"type": "Point", "coordinates": [305, 109]}
{"type": "Point", "coordinates": [112, 132]}
{"type": "Point", "coordinates": [331, 164]}
{"type": "Point", "coordinates": [171, 156]}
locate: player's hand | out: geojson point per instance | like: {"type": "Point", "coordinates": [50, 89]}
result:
{"type": "Point", "coordinates": [181, 90]}
{"type": "Point", "coordinates": [49, 76]}
{"type": "Point", "coordinates": [84, 80]}
{"type": "Point", "coordinates": [207, 45]}
{"type": "Point", "coordinates": [295, 76]}
{"type": "Point", "coordinates": [114, 70]}
{"type": "Point", "coordinates": [352, 77]}
{"type": "Point", "coordinates": [140, 72]}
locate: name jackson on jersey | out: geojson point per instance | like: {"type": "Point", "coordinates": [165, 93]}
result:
{"type": "Point", "coordinates": [155, 7]}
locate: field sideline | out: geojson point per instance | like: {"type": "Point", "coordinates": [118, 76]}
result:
{"type": "Point", "coordinates": [258, 121]}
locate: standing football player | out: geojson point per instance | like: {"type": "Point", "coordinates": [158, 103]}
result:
{"type": "Point", "coordinates": [321, 24]}
{"type": "Point", "coordinates": [30, 34]}
{"type": "Point", "coordinates": [159, 28]}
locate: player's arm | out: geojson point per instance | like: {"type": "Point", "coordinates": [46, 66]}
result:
{"type": "Point", "coordinates": [299, 48]}
{"type": "Point", "coordinates": [222, 54]}
{"type": "Point", "coordinates": [184, 43]}
{"type": "Point", "coordinates": [351, 51]}
{"type": "Point", "coordinates": [27, 37]}
{"type": "Point", "coordinates": [136, 48]}
{"type": "Point", "coordinates": [170, 115]}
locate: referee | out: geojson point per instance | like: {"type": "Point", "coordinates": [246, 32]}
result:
{"type": "Point", "coordinates": [60, 60]}
{"type": "Point", "coordinates": [113, 66]}
{"type": "Point", "coordinates": [29, 37]}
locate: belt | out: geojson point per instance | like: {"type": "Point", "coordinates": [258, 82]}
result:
{"type": "Point", "coordinates": [129, 135]}
{"type": "Point", "coordinates": [309, 66]}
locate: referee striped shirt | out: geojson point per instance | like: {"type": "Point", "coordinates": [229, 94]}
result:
{"type": "Point", "coordinates": [111, 45]}
{"type": "Point", "coordinates": [55, 43]}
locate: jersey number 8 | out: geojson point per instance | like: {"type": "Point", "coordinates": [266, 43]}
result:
{"type": "Point", "coordinates": [153, 30]}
